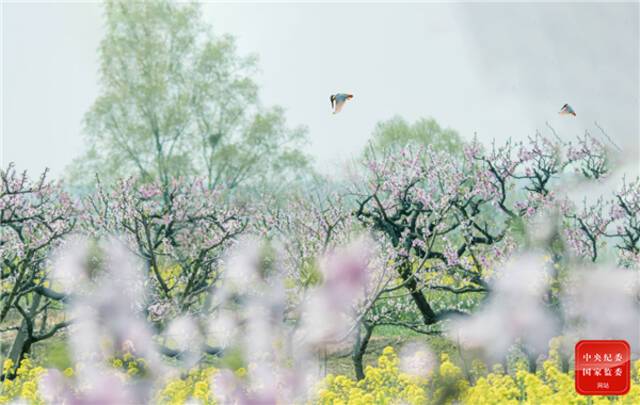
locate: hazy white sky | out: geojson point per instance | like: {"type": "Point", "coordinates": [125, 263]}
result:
{"type": "Point", "coordinates": [496, 69]}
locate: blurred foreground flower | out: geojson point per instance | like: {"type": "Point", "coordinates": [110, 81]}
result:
{"type": "Point", "coordinates": [417, 360]}
{"type": "Point", "coordinates": [281, 353]}
{"type": "Point", "coordinates": [603, 303]}
{"type": "Point", "coordinates": [515, 311]}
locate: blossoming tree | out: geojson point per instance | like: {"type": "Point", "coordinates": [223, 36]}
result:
{"type": "Point", "coordinates": [450, 220]}
{"type": "Point", "coordinates": [179, 232]}
{"type": "Point", "coordinates": [34, 218]}
{"type": "Point", "coordinates": [606, 222]}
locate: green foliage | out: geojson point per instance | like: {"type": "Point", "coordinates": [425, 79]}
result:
{"type": "Point", "coordinates": [232, 359]}
{"type": "Point", "coordinates": [177, 100]}
{"type": "Point", "coordinates": [397, 133]}
{"type": "Point", "coordinates": [310, 274]}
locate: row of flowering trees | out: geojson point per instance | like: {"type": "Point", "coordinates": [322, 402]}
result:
{"type": "Point", "coordinates": [437, 227]}
{"type": "Point", "coordinates": [451, 222]}
{"type": "Point", "coordinates": [178, 232]}
{"type": "Point", "coordinates": [35, 216]}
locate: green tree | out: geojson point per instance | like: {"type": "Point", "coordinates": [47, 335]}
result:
{"type": "Point", "coordinates": [397, 133]}
{"type": "Point", "coordinates": [176, 100]}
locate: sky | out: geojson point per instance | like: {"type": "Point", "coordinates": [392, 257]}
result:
{"type": "Point", "coordinates": [494, 69]}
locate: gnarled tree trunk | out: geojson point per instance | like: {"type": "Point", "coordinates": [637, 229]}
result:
{"type": "Point", "coordinates": [23, 340]}
{"type": "Point", "coordinates": [360, 348]}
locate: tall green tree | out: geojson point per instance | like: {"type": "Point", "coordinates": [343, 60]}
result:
{"type": "Point", "coordinates": [397, 133]}
{"type": "Point", "coordinates": [176, 100]}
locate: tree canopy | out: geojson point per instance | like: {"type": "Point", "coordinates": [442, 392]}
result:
{"type": "Point", "coordinates": [177, 100]}
{"type": "Point", "coordinates": [397, 133]}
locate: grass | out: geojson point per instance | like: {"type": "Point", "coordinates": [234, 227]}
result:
{"type": "Point", "coordinates": [54, 353]}
{"type": "Point", "coordinates": [339, 361]}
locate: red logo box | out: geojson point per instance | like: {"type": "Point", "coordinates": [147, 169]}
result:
{"type": "Point", "coordinates": [603, 367]}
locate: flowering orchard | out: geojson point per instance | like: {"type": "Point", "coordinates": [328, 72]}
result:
{"type": "Point", "coordinates": [178, 291]}
{"type": "Point", "coordinates": [35, 216]}
{"type": "Point", "coordinates": [178, 231]}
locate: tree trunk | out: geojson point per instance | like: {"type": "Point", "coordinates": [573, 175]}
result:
{"type": "Point", "coordinates": [533, 362]}
{"type": "Point", "coordinates": [23, 341]}
{"type": "Point", "coordinates": [360, 348]}
{"type": "Point", "coordinates": [428, 316]}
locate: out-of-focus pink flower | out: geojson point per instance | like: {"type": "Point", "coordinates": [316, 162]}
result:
{"type": "Point", "coordinates": [183, 333]}
{"type": "Point", "coordinates": [345, 271]}
{"type": "Point", "coordinates": [326, 312]}
{"type": "Point", "coordinates": [515, 311]}
{"type": "Point", "coordinates": [416, 359]}
{"type": "Point", "coordinates": [70, 262]}
{"type": "Point", "coordinates": [53, 388]}
{"type": "Point", "coordinates": [602, 303]}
